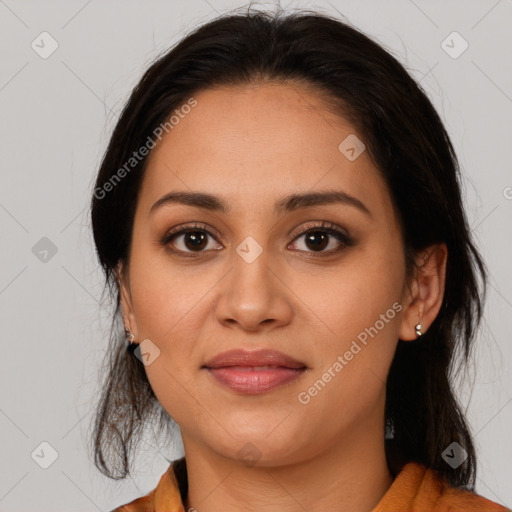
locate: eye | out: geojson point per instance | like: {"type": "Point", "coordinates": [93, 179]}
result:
{"type": "Point", "coordinates": [188, 240]}
{"type": "Point", "coordinates": [319, 237]}
{"type": "Point", "coordinates": [194, 239]}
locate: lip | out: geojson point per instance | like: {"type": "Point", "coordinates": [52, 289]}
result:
{"type": "Point", "coordinates": [261, 357]}
{"type": "Point", "coordinates": [238, 370]}
{"type": "Point", "coordinates": [251, 381]}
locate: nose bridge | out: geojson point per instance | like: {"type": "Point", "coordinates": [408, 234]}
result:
{"type": "Point", "coordinates": [253, 245]}
{"type": "Point", "coordinates": [251, 272]}
{"type": "Point", "coordinates": [252, 294]}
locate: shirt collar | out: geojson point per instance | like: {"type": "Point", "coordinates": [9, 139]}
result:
{"type": "Point", "coordinates": [415, 487]}
{"type": "Point", "coordinates": [170, 494]}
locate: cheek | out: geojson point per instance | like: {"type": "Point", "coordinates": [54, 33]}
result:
{"type": "Point", "coordinates": [353, 296]}
{"type": "Point", "coordinates": [165, 303]}
{"type": "Point", "coordinates": [165, 296]}
{"type": "Point", "coordinates": [360, 313]}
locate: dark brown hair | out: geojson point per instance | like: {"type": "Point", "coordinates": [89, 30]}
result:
{"type": "Point", "coordinates": [405, 138]}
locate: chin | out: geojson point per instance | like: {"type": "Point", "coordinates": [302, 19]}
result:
{"type": "Point", "coordinates": [258, 448]}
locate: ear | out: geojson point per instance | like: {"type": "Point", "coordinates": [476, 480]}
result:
{"type": "Point", "coordinates": [123, 283]}
{"type": "Point", "coordinates": [423, 294]}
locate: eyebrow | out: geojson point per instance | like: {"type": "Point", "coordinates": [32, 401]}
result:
{"type": "Point", "coordinates": [288, 203]}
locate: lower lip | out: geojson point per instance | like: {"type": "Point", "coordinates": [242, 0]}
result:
{"type": "Point", "coordinates": [253, 381]}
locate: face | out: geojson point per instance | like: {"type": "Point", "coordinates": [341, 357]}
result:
{"type": "Point", "coordinates": [321, 281]}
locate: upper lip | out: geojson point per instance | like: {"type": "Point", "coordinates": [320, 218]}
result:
{"type": "Point", "coordinates": [261, 357]}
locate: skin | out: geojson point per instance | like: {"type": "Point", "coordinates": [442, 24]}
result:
{"type": "Point", "coordinates": [252, 145]}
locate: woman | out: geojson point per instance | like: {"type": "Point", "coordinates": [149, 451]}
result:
{"type": "Point", "coordinates": [279, 219]}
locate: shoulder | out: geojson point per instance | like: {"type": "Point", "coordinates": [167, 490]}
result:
{"type": "Point", "coordinates": [417, 488]}
{"type": "Point", "coordinates": [145, 503]}
{"type": "Point", "coordinates": [142, 504]}
{"type": "Point", "coordinates": [165, 496]}
{"type": "Point", "coordinates": [442, 497]}
{"type": "Point", "coordinates": [452, 499]}
{"type": "Point", "coordinates": [455, 500]}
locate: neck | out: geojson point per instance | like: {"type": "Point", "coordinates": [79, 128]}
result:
{"type": "Point", "coordinates": [352, 476]}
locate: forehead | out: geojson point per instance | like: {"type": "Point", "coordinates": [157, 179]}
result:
{"type": "Point", "coordinates": [243, 142]}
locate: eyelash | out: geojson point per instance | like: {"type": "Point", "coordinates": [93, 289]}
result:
{"type": "Point", "coordinates": [324, 227]}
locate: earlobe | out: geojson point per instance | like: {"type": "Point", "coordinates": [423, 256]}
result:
{"type": "Point", "coordinates": [426, 293]}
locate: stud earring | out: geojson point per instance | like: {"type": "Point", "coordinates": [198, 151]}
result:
{"type": "Point", "coordinates": [131, 344]}
{"type": "Point", "coordinates": [417, 328]}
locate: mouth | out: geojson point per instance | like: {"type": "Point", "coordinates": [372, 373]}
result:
{"type": "Point", "coordinates": [254, 372]}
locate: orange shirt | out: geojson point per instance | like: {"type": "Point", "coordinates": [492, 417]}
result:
{"type": "Point", "coordinates": [415, 489]}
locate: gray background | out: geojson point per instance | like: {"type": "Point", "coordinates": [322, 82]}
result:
{"type": "Point", "coordinates": [57, 114]}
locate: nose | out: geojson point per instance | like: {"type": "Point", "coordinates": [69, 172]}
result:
{"type": "Point", "coordinates": [254, 295]}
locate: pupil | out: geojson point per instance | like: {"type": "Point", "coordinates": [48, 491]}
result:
{"type": "Point", "coordinates": [197, 239]}
{"type": "Point", "coordinates": [317, 240]}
